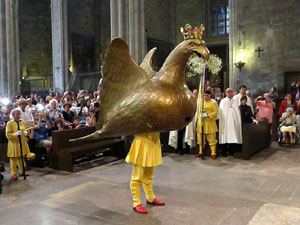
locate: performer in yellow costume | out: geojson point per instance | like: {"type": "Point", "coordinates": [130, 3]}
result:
{"type": "Point", "coordinates": [144, 154]}
{"type": "Point", "coordinates": [13, 148]}
{"type": "Point", "coordinates": [210, 114]}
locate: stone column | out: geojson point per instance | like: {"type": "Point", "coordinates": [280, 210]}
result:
{"type": "Point", "coordinates": [127, 22]}
{"type": "Point", "coordinates": [3, 60]}
{"type": "Point", "coordinates": [59, 45]}
{"type": "Point", "coordinates": [10, 75]}
{"type": "Point", "coordinates": [232, 23]}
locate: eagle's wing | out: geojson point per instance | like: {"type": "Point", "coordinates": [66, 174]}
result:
{"type": "Point", "coordinates": [147, 63]}
{"type": "Point", "coordinates": [121, 75]}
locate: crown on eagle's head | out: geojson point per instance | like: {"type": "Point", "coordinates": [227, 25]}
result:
{"type": "Point", "coordinates": [189, 33]}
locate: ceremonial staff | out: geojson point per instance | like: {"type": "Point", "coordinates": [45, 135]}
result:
{"type": "Point", "coordinates": [201, 109]}
{"type": "Point", "coordinates": [21, 150]}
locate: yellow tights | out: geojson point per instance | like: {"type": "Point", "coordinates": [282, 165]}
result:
{"type": "Point", "coordinates": [141, 176]}
{"type": "Point", "coordinates": [14, 162]}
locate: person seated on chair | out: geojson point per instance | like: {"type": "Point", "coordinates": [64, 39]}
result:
{"type": "Point", "coordinates": [41, 133]}
{"type": "Point", "coordinates": [288, 125]}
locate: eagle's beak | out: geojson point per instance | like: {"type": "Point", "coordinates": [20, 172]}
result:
{"type": "Point", "coordinates": [202, 50]}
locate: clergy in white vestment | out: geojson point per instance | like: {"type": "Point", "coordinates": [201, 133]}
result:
{"type": "Point", "coordinates": [230, 124]}
{"type": "Point", "coordinates": [242, 92]}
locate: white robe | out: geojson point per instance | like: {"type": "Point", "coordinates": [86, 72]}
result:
{"type": "Point", "coordinates": [238, 97]}
{"type": "Point", "coordinates": [230, 123]}
{"type": "Point", "coordinates": [189, 136]}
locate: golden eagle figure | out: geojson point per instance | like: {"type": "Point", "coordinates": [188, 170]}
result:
{"type": "Point", "coordinates": [136, 99]}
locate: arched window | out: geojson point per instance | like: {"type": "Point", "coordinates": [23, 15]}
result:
{"type": "Point", "coordinates": [219, 17]}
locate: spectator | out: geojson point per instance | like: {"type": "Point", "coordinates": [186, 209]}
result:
{"type": "Point", "coordinates": [246, 112]}
{"type": "Point", "coordinates": [265, 108]}
{"type": "Point", "coordinates": [242, 92]}
{"type": "Point", "coordinates": [287, 103]}
{"type": "Point", "coordinates": [67, 113]}
{"type": "Point", "coordinates": [76, 123]}
{"type": "Point", "coordinates": [273, 94]}
{"type": "Point", "coordinates": [33, 97]}
{"type": "Point", "coordinates": [288, 121]}
{"type": "Point", "coordinates": [53, 113]}
{"type": "Point", "coordinates": [26, 114]}
{"type": "Point", "coordinates": [97, 110]}
{"type": "Point", "coordinates": [2, 118]}
{"type": "Point", "coordinates": [91, 119]}
{"type": "Point", "coordinates": [295, 90]}
{"type": "Point", "coordinates": [41, 133]}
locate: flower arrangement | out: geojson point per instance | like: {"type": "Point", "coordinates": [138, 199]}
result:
{"type": "Point", "coordinates": [197, 64]}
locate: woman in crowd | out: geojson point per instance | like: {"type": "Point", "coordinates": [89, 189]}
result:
{"type": "Point", "coordinates": [246, 111]}
{"type": "Point", "coordinates": [287, 103]}
{"type": "Point", "coordinates": [91, 119]}
{"type": "Point", "coordinates": [53, 113]}
{"type": "Point", "coordinates": [67, 113]}
{"type": "Point", "coordinates": [288, 125]}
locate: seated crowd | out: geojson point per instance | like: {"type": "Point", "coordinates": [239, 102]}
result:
{"type": "Point", "coordinates": [56, 112]}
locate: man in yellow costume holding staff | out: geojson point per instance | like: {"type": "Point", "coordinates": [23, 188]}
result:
{"type": "Point", "coordinates": [144, 154]}
{"type": "Point", "coordinates": [209, 115]}
{"type": "Point", "coordinates": [15, 128]}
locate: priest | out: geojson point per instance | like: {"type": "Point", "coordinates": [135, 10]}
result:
{"type": "Point", "coordinates": [230, 125]}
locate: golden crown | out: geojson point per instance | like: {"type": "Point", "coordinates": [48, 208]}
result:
{"type": "Point", "coordinates": [189, 33]}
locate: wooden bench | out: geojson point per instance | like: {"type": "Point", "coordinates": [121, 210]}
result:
{"type": "Point", "coordinates": [66, 153]}
{"type": "Point", "coordinates": [255, 138]}
{"type": "Point", "coordinates": [3, 146]}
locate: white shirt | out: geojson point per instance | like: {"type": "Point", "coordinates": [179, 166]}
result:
{"type": "Point", "coordinates": [26, 116]}
{"type": "Point", "coordinates": [230, 122]}
{"type": "Point", "coordinates": [238, 97]}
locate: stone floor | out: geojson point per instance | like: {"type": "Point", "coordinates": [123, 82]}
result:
{"type": "Point", "coordinates": [262, 191]}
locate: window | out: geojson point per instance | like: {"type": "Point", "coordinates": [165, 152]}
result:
{"type": "Point", "coordinates": [219, 18]}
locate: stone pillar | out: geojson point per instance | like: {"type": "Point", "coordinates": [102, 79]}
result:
{"type": "Point", "coordinates": [232, 23]}
{"type": "Point", "coordinates": [3, 60]}
{"type": "Point", "coordinates": [9, 48]}
{"type": "Point", "coordinates": [127, 22]}
{"type": "Point", "coordinates": [59, 45]}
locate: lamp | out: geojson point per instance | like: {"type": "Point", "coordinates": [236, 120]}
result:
{"type": "Point", "coordinates": [240, 64]}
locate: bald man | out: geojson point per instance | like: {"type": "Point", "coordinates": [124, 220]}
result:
{"type": "Point", "coordinates": [230, 124]}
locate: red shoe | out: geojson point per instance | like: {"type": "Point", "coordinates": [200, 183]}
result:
{"type": "Point", "coordinates": [26, 174]}
{"type": "Point", "coordinates": [198, 155]}
{"type": "Point", "coordinates": [156, 202]}
{"type": "Point", "coordinates": [140, 209]}
{"type": "Point", "coordinates": [213, 156]}
{"type": "Point", "coordinates": [14, 177]}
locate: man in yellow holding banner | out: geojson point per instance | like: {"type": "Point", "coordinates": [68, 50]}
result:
{"type": "Point", "coordinates": [208, 115]}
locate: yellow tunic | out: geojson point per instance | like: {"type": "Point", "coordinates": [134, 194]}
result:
{"type": "Point", "coordinates": [210, 125]}
{"type": "Point", "coordinates": [13, 148]}
{"type": "Point", "coordinates": [145, 150]}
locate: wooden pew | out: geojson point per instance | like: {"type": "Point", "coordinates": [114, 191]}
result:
{"type": "Point", "coordinates": [65, 153]}
{"type": "Point", "coordinates": [255, 138]}
{"type": "Point", "coordinates": [3, 146]}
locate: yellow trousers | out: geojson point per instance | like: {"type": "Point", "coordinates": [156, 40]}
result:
{"type": "Point", "coordinates": [141, 176]}
{"type": "Point", "coordinates": [14, 162]}
{"type": "Point", "coordinates": [211, 139]}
